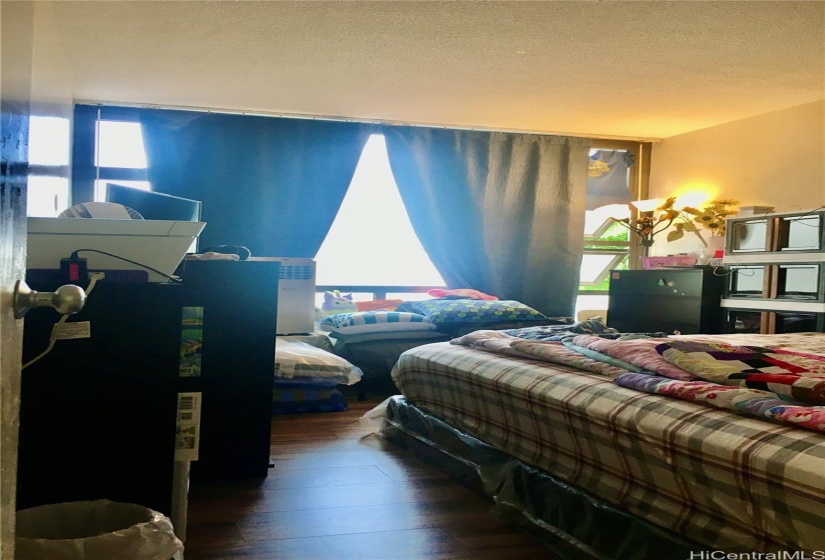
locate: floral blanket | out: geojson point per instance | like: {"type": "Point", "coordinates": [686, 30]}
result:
{"type": "Point", "coordinates": [781, 382]}
{"type": "Point", "coordinates": [790, 374]}
{"type": "Point", "coordinates": [750, 402]}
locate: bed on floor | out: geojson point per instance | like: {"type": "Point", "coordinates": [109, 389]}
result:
{"type": "Point", "coordinates": [309, 376]}
{"type": "Point", "coordinates": [374, 340]}
{"type": "Point", "coordinates": [577, 436]}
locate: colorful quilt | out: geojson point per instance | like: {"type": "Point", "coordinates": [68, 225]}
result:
{"type": "Point", "coordinates": [777, 383]}
{"type": "Point", "coordinates": [750, 402]}
{"type": "Point", "coordinates": [789, 374]}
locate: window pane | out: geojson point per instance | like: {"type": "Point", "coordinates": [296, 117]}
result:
{"type": "Point", "coordinates": [120, 144]}
{"type": "Point", "coordinates": [600, 218]}
{"type": "Point", "coordinates": [49, 141]}
{"type": "Point", "coordinates": [593, 266]}
{"type": "Point", "coordinates": [597, 268]}
{"type": "Point", "coordinates": [371, 242]}
{"type": "Point", "coordinates": [47, 196]}
{"type": "Point", "coordinates": [100, 187]}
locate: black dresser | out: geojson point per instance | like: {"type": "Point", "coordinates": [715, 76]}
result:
{"type": "Point", "coordinates": [239, 302]}
{"type": "Point", "coordinates": [98, 414]}
{"type": "Point", "coordinates": [670, 300]}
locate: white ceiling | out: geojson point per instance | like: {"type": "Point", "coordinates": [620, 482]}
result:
{"type": "Point", "coordinates": [612, 68]}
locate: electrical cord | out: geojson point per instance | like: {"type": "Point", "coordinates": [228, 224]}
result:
{"type": "Point", "coordinates": [147, 267]}
{"type": "Point", "coordinates": [93, 278]}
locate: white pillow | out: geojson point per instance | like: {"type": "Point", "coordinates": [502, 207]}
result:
{"type": "Point", "coordinates": [299, 359]}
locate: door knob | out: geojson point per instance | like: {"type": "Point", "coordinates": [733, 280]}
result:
{"type": "Point", "coordinates": [66, 300]}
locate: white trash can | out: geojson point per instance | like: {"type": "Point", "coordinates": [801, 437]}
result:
{"type": "Point", "coordinates": [94, 530]}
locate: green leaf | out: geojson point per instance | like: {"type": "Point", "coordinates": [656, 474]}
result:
{"type": "Point", "coordinates": [675, 234]}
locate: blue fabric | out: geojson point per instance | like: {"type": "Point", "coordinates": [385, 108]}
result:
{"type": "Point", "coordinates": [499, 212]}
{"type": "Point", "coordinates": [372, 318]}
{"type": "Point", "coordinates": [298, 397]}
{"type": "Point", "coordinates": [273, 185]}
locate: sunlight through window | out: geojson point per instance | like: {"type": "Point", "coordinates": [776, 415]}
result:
{"type": "Point", "coordinates": [371, 242]}
{"type": "Point", "coordinates": [120, 144]}
{"type": "Point", "coordinates": [48, 141]}
{"type": "Point", "coordinates": [47, 196]}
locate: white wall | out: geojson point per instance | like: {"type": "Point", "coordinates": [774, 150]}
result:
{"type": "Point", "coordinates": [775, 159]}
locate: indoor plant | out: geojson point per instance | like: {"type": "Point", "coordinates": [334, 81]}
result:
{"type": "Point", "coordinates": [710, 217]}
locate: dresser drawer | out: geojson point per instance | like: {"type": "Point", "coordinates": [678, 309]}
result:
{"type": "Point", "coordinates": [666, 300]}
{"type": "Point", "coordinates": [675, 282]}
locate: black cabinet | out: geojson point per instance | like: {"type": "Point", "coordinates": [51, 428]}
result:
{"type": "Point", "coordinates": [667, 300]}
{"type": "Point", "coordinates": [239, 302]}
{"type": "Point", "coordinates": [97, 415]}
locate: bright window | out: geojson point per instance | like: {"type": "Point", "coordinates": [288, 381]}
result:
{"type": "Point", "coordinates": [120, 144]}
{"type": "Point", "coordinates": [47, 196]}
{"type": "Point", "coordinates": [48, 141]}
{"type": "Point", "coordinates": [371, 242]}
{"type": "Point", "coordinates": [48, 182]}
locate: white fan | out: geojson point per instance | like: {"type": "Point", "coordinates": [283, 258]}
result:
{"type": "Point", "coordinates": [105, 210]}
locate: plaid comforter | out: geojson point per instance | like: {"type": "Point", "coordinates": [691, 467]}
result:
{"type": "Point", "coordinates": [730, 482]}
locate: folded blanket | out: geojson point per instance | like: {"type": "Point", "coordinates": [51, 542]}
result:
{"type": "Point", "coordinates": [559, 353]}
{"type": "Point", "coordinates": [492, 341]}
{"type": "Point", "coordinates": [499, 342]}
{"type": "Point", "coordinates": [639, 352]}
{"type": "Point", "coordinates": [750, 402]}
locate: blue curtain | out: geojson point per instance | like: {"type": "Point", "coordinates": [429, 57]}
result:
{"type": "Point", "coordinates": [273, 185]}
{"type": "Point", "coordinates": [499, 212]}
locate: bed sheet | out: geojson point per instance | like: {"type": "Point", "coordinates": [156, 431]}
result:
{"type": "Point", "coordinates": [727, 481]}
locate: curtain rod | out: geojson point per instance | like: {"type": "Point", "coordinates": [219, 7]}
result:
{"type": "Point", "coordinates": [355, 120]}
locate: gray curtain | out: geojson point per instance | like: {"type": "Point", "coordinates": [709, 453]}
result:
{"type": "Point", "coordinates": [499, 212]}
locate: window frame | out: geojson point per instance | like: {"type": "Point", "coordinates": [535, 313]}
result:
{"type": "Point", "coordinates": [84, 170]}
{"type": "Point", "coordinates": [639, 183]}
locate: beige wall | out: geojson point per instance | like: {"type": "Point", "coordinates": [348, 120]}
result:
{"type": "Point", "coordinates": [52, 96]}
{"type": "Point", "coordinates": [775, 159]}
{"type": "Point", "coordinates": [51, 75]}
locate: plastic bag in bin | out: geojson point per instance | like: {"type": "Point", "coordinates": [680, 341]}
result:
{"type": "Point", "coordinates": [94, 530]}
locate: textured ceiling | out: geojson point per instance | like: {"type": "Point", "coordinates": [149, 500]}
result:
{"type": "Point", "coordinates": [633, 69]}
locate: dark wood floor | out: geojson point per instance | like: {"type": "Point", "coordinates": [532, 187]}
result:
{"type": "Point", "coordinates": [339, 493]}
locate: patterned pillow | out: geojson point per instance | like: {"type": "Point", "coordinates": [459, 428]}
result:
{"type": "Point", "coordinates": [375, 321]}
{"type": "Point", "coordinates": [441, 311]}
